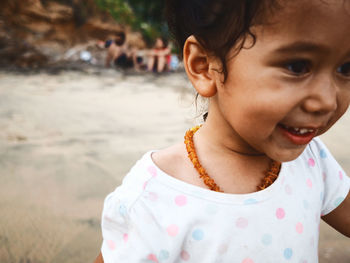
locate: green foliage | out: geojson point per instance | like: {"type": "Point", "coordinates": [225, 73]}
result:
{"type": "Point", "coordinates": [142, 15]}
{"type": "Point", "coordinates": [119, 9]}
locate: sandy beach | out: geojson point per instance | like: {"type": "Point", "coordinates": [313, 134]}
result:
{"type": "Point", "coordinates": [67, 140]}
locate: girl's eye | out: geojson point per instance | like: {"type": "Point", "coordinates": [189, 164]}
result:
{"type": "Point", "coordinates": [298, 68]}
{"type": "Point", "coordinates": [344, 69]}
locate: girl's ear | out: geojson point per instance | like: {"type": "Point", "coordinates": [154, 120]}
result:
{"type": "Point", "coordinates": [200, 68]}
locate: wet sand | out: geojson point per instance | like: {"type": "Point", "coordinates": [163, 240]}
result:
{"type": "Point", "coordinates": [67, 140]}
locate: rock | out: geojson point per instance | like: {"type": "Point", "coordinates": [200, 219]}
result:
{"type": "Point", "coordinates": [35, 33]}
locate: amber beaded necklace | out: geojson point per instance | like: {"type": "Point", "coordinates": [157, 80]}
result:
{"type": "Point", "coordinates": [270, 175]}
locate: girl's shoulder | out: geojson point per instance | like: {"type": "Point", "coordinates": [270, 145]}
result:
{"type": "Point", "coordinates": [316, 157]}
{"type": "Point", "coordinates": [318, 153]}
{"type": "Point", "coordinates": [171, 161]}
{"type": "Point", "coordinates": [317, 144]}
{"type": "Point", "coordinates": [174, 162]}
{"type": "Point", "coordinates": [170, 158]}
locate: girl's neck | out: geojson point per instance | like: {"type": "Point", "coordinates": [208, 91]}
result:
{"type": "Point", "coordinates": [222, 137]}
{"type": "Point", "coordinates": [233, 172]}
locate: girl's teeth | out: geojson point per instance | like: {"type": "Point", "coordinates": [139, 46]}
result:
{"type": "Point", "coordinates": [300, 130]}
{"type": "Point", "coordinates": [303, 131]}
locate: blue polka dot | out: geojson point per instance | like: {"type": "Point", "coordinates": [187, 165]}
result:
{"type": "Point", "coordinates": [163, 255]}
{"type": "Point", "coordinates": [306, 204]}
{"type": "Point", "coordinates": [198, 234]}
{"type": "Point", "coordinates": [123, 210]}
{"type": "Point", "coordinates": [250, 201]}
{"type": "Point", "coordinates": [338, 201]}
{"type": "Point", "coordinates": [323, 154]}
{"type": "Point", "coordinates": [288, 253]}
{"type": "Point", "coordinates": [266, 239]}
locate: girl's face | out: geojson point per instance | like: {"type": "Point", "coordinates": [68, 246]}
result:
{"type": "Point", "coordinates": [293, 84]}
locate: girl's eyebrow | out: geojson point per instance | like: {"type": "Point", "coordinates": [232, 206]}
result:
{"type": "Point", "coordinates": [302, 46]}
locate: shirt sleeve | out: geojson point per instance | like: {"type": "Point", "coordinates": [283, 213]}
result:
{"type": "Point", "coordinates": [336, 182]}
{"type": "Point", "coordinates": [133, 231]}
{"type": "Point", "coordinates": [115, 227]}
{"type": "Point", "coordinates": [131, 227]}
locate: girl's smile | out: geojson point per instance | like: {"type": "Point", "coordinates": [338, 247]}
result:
{"type": "Point", "coordinates": [293, 84]}
{"type": "Point", "coordinates": [298, 136]}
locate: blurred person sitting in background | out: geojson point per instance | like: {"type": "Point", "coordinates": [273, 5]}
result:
{"type": "Point", "coordinates": [120, 53]}
{"type": "Point", "coordinates": [159, 56]}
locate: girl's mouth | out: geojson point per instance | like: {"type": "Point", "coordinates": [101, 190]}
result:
{"type": "Point", "coordinates": [298, 135]}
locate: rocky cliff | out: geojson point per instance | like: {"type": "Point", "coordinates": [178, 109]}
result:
{"type": "Point", "coordinates": [34, 33]}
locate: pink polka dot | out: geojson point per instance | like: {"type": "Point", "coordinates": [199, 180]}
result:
{"type": "Point", "coordinates": [247, 260]}
{"type": "Point", "coordinates": [172, 230]}
{"type": "Point", "coordinates": [180, 200]}
{"type": "Point", "coordinates": [153, 196]}
{"type": "Point", "coordinates": [288, 189]}
{"type": "Point", "coordinates": [125, 237]}
{"type": "Point", "coordinates": [152, 170]}
{"type": "Point", "coordinates": [311, 162]}
{"type": "Point", "coordinates": [145, 185]}
{"type": "Point", "coordinates": [152, 257]}
{"type": "Point", "coordinates": [309, 183]}
{"type": "Point", "coordinates": [111, 244]}
{"type": "Point", "coordinates": [242, 222]}
{"type": "Point", "coordinates": [280, 213]}
{"type": "Point", "coordinates": [340, 175]}
{"type": "Point", "coordinates": [299, 228]}
{"type": "Point", "coordinates": [184, 255]}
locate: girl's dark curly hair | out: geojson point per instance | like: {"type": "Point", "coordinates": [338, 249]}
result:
{"type": "Point", "coordinates": [218, 25]}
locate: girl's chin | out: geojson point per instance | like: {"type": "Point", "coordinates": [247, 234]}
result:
{"type": "Point", "coordinates": [286, 155]}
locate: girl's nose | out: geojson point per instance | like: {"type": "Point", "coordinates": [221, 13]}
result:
{"type": "Point", "coordinates": [322, 98]}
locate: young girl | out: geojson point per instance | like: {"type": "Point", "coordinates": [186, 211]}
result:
{"type": "Point", "coordinates": [250, 184]}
